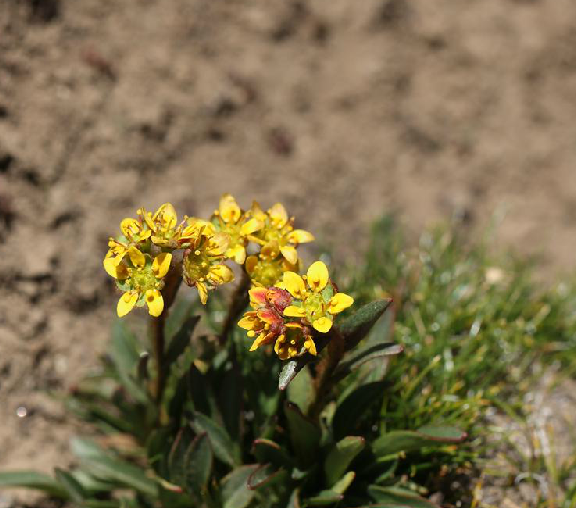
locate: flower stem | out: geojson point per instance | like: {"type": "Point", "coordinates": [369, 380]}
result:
{"type": "Point", "coordinates": [158, 332]}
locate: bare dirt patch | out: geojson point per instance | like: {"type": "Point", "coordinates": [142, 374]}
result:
{"type": "Point", "coordinates": [341, 110]}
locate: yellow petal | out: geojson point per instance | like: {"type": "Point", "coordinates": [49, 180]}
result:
{"type": "Point", "coordinates": [237, 253]}
{"type": "Point", "coordinates": [322, 324]}
{"type": "Point", "coordinates": [155, 302]}
{"type": "Point", "coordinates": [220, 274]}
{"type": "Point", "coordinates": [229, 209]}
{"type": "Point", "coordinates": [293, 311]}
{"type": "Point", "coordinates": [129, 227]}
{"type": "Point", "coordinates": [317, 276]}
{"type": "Point", "coordinates": [290, 254]}
{"type": "Point", "coordinates": [278, 214]}
{"type": "Point", "coordinates": [256, 212]}
{"type": "Point", "coordinates": [218, 244]}
{"type": "Point", "coordinates": [138, 259]}
{"type": "Point", "coordinates": [114, 266]}
{"type": "Point", "coordinates": [310, 345]}
{"type": "Point", "coordinates": [339, 302]}
{"type": "Point", "coordinates": [251, 226]}
{"type": "Point", "coordinates": [161, 264]}
{"type": "Point", "coordinates": [203, 292]}
{"type": "Point", "coordinates": [251, 263]}
{"type": "Point", "coordinates": [247, 323]}
{"type": "Point", "coordinates": [270, 250]}
{"type": "Point", "coordinates": [147, 216]}
{"type": "Point", "coordinates": [166, 214]}
{"type": "Point", "coordinates": [294, 284]}
{"type": "Point", "coordinates": [300, 236]}
{"type": "Point", "coordinates": [126, 303]}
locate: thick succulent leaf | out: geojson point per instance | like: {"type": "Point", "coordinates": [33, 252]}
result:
{"type": "Point", "coordinates": [33, 480]}
{"type": "Point", "coordinates": [235, 491]}
{"type": "Point", "coordinates": [304, 434]}
{"type": "Point", "coordinates": [177, 457]}
{"type": "Point", "coordinates": [294, 501]}
{"type": "Point", "coordinates": [357, 326]}
{"type": "Point", "coordinates": [340, 457]}
{"type": "Point", "coordinates": [266, 474]}
{"type": "Point", "coordinates": [326, 497]}
{"type": "Point", "coordinates": [125, 354]}
{"type": "Point", "coordinates": [393, 497]}
{"type": "Point", "coordinates": [180, 311]}
{"type": "Point", "coordinates": [199, 464]}
{"type": "Point", "coordinates": [72, 486]}
{"type": "Point", "coordinates": [301, 390]}
{"type": "Point", "coordinates": [224, 448]}
{"type": "Point", "coordinates": [231, 401]}
{"type": "Point", "coordinates": [199, 390]}
{"type": "Point", "coordinates": [346, 418]}
{"type": "Point", "coordinates": [267, 451]}
{"type": "Point", "coordinates": [366, 354]}
{"type": "Point", "coordinates": [157, 452]}
{"type": "Point", "coordinates": [342, 485]}
{"type": "Point", "coordinates": [407, 440]}
{"type": "Point", "coordinates": [109, 467]}
{"type": "Point", "coordinates": [180, 341]}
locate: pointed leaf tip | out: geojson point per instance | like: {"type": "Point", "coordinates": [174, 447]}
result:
{"type": "Point", "coordinates": [357, 326]}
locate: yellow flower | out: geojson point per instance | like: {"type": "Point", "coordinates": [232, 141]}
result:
{"type": "Point", "coordinates": [230, 219]}
{"type": "Point", "coordinates": [296, 340]}
{"type": "Point", "coordinates": [163, 225]}
{"type": "Point", "coordinates": [265, 271]}
{"type": "Point", "coordinates": [277, 235]}
{"type": "Point", "coordinates": [314, 298]}
{"type": "Point", "coordinates": [203, 267]}
{"type": "Point", "coordinates": [140, 276]}
{"type": "Point", "coordinates": [266, 324]}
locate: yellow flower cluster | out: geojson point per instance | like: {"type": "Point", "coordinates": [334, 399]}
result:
{"type": "Point", "coordinates": [272, 231]}
{"type": "Point", "coordinates": [142, 255]}
{"type": "Point", "coordinates": [288, 314]}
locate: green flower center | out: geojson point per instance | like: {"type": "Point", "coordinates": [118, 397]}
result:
{"type": "Point", "coordinates": [143, 279]}
{"type": "Point", "coordinates": [315, 306]}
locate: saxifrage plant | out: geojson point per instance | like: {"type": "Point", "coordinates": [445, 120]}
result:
{"type": "Point", "coordinates": [186, 416]}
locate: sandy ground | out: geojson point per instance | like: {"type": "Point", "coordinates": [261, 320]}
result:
{"type": "Point", "coordinates": [340, 109]}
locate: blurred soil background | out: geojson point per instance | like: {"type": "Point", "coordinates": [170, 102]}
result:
{"type": "Point", "coordinates": [340, 109]}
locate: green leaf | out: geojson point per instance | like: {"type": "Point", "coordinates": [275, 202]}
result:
{"type": "Point", "coordinates": [199, 464]}
{"type": "Point", "coordinates": [199, 389]}
{"type": "Point", "coordinates": [265, 475]}
{"type": "Point", "coordinates": [407, 440]}
{"type": "Point", "coordinates": [72, 486]}
{"type": "Point", "coordinates": [224, 448]}
{"type": "Point", "coordinates": [156, 450]}
{"type": "Point", "coordinates": [347, 417]}
{"type": "Point", "coordinates": [304, 434]}
{"type": "Point", "coordinates": [393, 497]}
{"type": "Point", "coordinates": [231, 400]}
{"type": "Point", "coordinates": [301, 390]}
{"type": "Point", "coordinates": [357, 326]}
{"type": "Point", "coordinates": [180, 341]}
{"type": "Point", "coordinates": [177, 464]}
{"type": "Point", "coordinates": [366, 354]}
{"type": "Point", "coordinates": [125, 355]}
{"type": "Point", "coordinates": [341, 456]}
{"type": "Point", "coordinates": [324, 498]}
{"type": "Point", "coordinates": [235, 491]}
{"type": "Point", "coordinates": [294, 501]}
{"type": "Point", "coordinates": [342, 485]}
{"type": "Point", "coordinates": [33, 480]}
{"type": "Point", "coordinates": [267, 451]}
{"type": "Point", "coordinates": [179, 313]}
{"type": "Point", "coordinates": [108, 466]}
